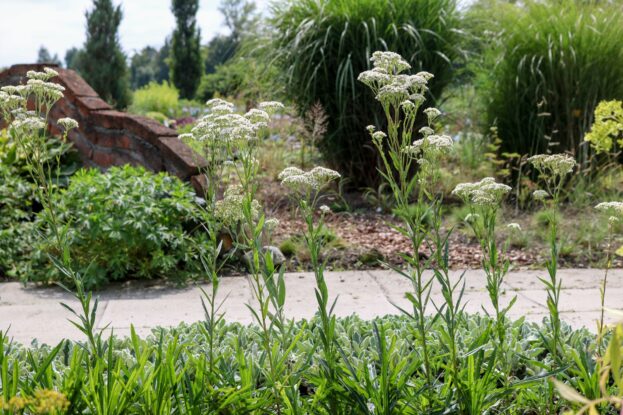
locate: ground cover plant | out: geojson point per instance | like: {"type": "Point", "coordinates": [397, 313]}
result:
{"type": "Point", "coordinates": [433, 359]}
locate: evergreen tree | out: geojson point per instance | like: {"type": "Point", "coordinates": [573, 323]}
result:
{"type": "Point", "coordinates": [186, 65]}
{"type": "Point", "coordinates": [44, 56]}
{"type": "Point", "coordinates": [72, 57]}
{"type": "Point", "coordinates": [101, 62]}
{"type": "Point", "coordinates": [149, 65]}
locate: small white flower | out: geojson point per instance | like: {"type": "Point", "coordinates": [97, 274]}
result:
{"type": "Point", "coordinates": [68, 123]}
{"type": "Point", "coordinates": [257, 116]}
{"type": "Point", "coordinates": [325, 210]}
{"type": "Point", "coordinates": [271, 224]}
{"type": "Point", "coordinates": [186, 136]}
{"type": "Point", "coordinates": [323, 175]}
{"type": "Point", "coordinates": [390, 62]}
{"type": "Point", "coordinates": [486, 192]}
{"type": "Point", "coordinates": [290, 171]}
{"type": "Point", "coordinates": [271, 107]}
{"type": "Point", "coordinates": [50, 72]}
{"type": "Point", "coordinates": [379, 136]}
{"type": "Point", "coordinates": [614, 209]}
{"type": "Point", "coordinates": [540, 195]}
{"type": "Point", "coordinates": [514, 227]}
{"type": "Point", "coordinates": [432, 114]}
{"type": "Point", "coordinates": [426, 131]}
{"type": "Point", "coordinates": [556, 165]}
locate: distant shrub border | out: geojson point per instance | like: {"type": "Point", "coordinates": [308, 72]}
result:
{"type": "Point", "coordinates": [554, 65]}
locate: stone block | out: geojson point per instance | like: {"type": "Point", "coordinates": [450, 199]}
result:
{"type": "Point", "coordinates": [184, 162]}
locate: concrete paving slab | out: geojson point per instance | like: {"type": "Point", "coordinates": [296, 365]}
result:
{"type": "Point", "coordinates": [356, 292]}
{"type": "Point", "coordinates": [33, 312]}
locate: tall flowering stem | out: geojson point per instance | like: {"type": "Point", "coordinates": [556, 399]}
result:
{"type": "Point", "coordinates": [614, 210]}
{"type": "Point", "coordinates": [28, 130]}
{"type": "Point", "coordinates": [484, 199]}
{"type": "Point", "coordinates": [403, 150]}
{"type": "Point", "coordinates": [552, 170]}
{"type": "Point", "coordinates": [231, 142]}
{"type": "Point", "coordinates": [305, 190]}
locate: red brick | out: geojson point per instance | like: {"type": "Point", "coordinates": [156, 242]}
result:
{"type": "Point", "coordinates": [81, 143]}
{"type": "Point", "coordinates": [147, 129]}
{"type": "Point", "coordinates": [74, 83]}
{"type": "Point", "coordinates": [199, 183]}
{"type": "Point", "coordinates": [21, 68]}
{"type": "Point", "coordinates": [110, 119]}
{"type": "Point", "coordinates": [187, 162]}
{"type": "Point", "coordinates": [86, 105]}
{"type": "Point", "coordinates": [111, 140]}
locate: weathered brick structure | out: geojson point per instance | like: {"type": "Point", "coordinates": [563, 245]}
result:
{"type": "Point", "coordinates": [107, 137]}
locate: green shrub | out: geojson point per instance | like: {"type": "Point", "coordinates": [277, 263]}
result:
{"type": "Point", "coordinates": [323, 45]}
{"type": "Point", "coordinates": [127, 223]}
{"type": "Point", "coordinates": [162, 98]}
{"type": "Point", "coordinates": [557, 61]}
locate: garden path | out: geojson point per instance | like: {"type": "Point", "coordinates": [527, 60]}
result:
{"type": "Point", "coordinates": [36, 313]}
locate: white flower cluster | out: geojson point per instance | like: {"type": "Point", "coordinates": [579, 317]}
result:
{"type": "Point", "coordinates": [514, 227]}
{"type": "Point", "coordinates": [390, 86]}
{"type": "Point", "coordinates": [540, 195]}
{"type": "Point", "coordinates": [28, 123]}
{"type": "Point", "coordinates": [485, 193]}
{"type": "Point", "coordinates": [13, 97]}
{"type": "Point", "coordinates": [614, 209]}
{"type": "Point", "coordinates": [305, 182]}
{"type": "Point", "coordinates": [223, 125]}
{"type": "Point", "coordinates": [431, 147]}
{"type": "Point", "coordinates": [271, 224]}
{"type": "Point", "coordinates": [68, 123]}
{"type": "Point", "coordinates": [555, 165]}
{"type": "Point", "coordinates": [271, 107]}
{"type": "Point", "coordinates": [229, 211]}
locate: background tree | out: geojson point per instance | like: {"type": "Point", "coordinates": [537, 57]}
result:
{"type": "Point", "coordinates": [149, 65]}
{"type": "Point", "coordinates": [186, 66]}
{"type": "Point", "coordinates": [72, 57]}
{"type": "Point", "coordinates": [44, 56]}
{"type": "Point", "coordinates": [102, 63]}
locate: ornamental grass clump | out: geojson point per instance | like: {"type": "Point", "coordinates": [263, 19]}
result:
{"type": "Point", "coordinates": [323, 45]}
{"type": "Point", "coordinates": [553, 63]}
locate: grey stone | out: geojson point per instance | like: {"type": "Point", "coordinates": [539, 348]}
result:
{"type": "Point", "coordinates": [277, 256]}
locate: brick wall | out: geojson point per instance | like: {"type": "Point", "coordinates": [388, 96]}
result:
{"type": "Point", "coordinates": [107, 137]}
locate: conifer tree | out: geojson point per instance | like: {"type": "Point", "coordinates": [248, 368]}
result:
{"type": "Point", "coordinates": [186, 62]}
{"type": "Point", "coordinates": [102, 63]}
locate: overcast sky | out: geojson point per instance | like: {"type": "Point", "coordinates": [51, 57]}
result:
{"type": "Point", "coordinates": [60, 24]}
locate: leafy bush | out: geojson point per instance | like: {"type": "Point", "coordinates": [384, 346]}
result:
{"type": "Point", "coordinates": [127, 223]}
{"type": "Point", "coordinates": [557, 61]}
{"type": "Point", "coordinates": [322, 46]}
{"type": "Point", "coordinates": [162, 98]}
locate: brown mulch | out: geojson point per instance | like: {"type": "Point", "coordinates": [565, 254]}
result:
{"type": "Point", "coordinates": [367, 238]}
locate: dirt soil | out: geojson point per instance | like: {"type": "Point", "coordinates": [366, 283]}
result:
{"type": "Point", "coordinates": [365, 238]}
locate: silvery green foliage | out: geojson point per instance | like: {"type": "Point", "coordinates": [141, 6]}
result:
{"type": "Point", "coordinates": [139, 385]}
